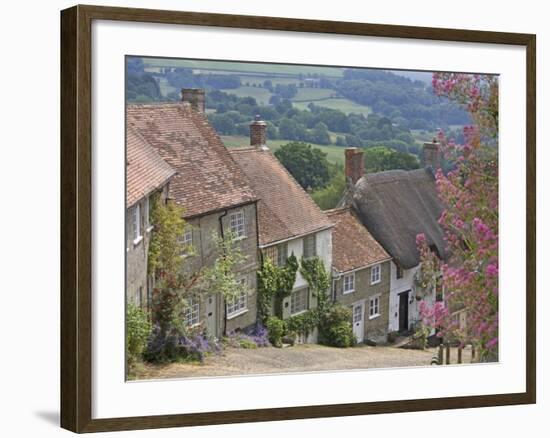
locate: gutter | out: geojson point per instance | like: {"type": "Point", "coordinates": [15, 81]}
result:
{"type": "Point", "coordinates": [288, 239]}
{"type": "Point", "coordinates": [349, 271]}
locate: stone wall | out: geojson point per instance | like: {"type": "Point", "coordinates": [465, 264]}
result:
{"type": "Point", "coordinates": [376, 329]}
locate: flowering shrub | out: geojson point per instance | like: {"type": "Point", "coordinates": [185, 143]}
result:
{"type": "Point", "coordinates": [469, 193]}
{"type": "Point", "coordinates": [254, 337]}
{"type": "Point", "coordinates": [170, 346]}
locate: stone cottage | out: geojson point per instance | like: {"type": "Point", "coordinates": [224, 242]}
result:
{"type": "Point", "coordinates": [361, 275]}
{"type": "Point", "coordinates": [146, 174]}
{"type": "Point", "coordinates": [289, 222]}
{"type": "Point", "coordinates": [216, 197]}
{"type": "Point", "coordinates": [396, 206]}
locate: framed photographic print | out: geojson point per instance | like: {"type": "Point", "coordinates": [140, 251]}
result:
{"type": "Point", "coordinates": [270, 218]}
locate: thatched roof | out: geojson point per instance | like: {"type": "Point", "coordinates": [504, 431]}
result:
{"type": "Point", "coordinates": [396, 206]}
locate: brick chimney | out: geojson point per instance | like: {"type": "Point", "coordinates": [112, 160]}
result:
{"type": "Point", "coordinates": [258, 133]}
{"type": "Point", "coordinates": [430, 155]}
{"type": "Point", "coordinates": [355, 167]}
{"type": "Point", "coordinates": [194, 96]}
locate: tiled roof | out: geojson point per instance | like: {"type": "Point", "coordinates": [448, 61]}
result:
{"type": "Point", "coordinates": [285, 210]}
{"type": "Point", "coordinates": [208, 179]}
{"type": "Point", "coordinates": [353, 246]}
{"type": "Point", "coordinates": [145, 170]}
{"type": "Point", "coordinates": [396, 206]}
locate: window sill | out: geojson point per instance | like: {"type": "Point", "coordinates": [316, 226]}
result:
{"type": "Point", "coordinates": [372, 283]}
{"type": "Point", "coordinates": [299, 313]}
{"type": "Point", "coordinates": [375, 316]}
{"type": "Point", "coordinates": [348, 292]}
{"type": "Point", "coordinates": [150, 228]}
{"type": "Point", "coordinates": [138, 240]}
{"type": "Point", "coordinates": [236, 314]}
{"type": "Point", "coordinates": [239, 238]}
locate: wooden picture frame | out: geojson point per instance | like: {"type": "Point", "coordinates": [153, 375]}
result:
{"type": "Point", "coordinates": [76, 218]}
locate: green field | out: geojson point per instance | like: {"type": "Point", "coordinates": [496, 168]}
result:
{"type": "Point", "coordinates": [344, 105]}
{"type": "Point", "coordinates": [261, 95]}
{"type": "Point", "coordinates": [309, 94]}
{"type": "Point", "coordinates": [245, 67]}
{"type": "Point", "coordinates": [335, 154]}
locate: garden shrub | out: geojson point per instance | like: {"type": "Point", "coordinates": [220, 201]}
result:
{"type": "Point", "coordinates": [335, 327]}
{"type": "Point", "coordinates": [138, 329]}
{"type": "Point", "coordinates": [172, 346]}
{"type": "Point", "coordinates": [276, 330]}
{"type": "Point", "coordinates": [253, 337]}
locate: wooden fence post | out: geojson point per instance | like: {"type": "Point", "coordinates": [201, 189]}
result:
{"type": "Point", "coordinates": [440, 354]}
{"type": "Point", "coordinates": [459, 354]}
{"type": "Point", "coordinates": [473, 353]}
{"type": "Point", "coordinates": [448, 353]}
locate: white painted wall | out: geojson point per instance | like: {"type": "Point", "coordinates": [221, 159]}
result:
{"type": "Point", "coordinates": [323, 246]}
{"type": "Point", "coordinates": [398, 285]}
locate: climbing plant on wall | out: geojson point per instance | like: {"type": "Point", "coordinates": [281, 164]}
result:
{"type": "Point", "coordinates": [314, 272]}
{"type": "Point", "coordinates": [275, 283]}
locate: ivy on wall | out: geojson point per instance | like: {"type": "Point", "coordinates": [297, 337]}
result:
{"type": "Point", "coordinates": [275, 283]}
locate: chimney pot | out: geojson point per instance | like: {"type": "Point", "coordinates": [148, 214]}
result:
{"type": "Point", "coordinates": [195, 97]}
{"type": "Point", "coordinates": [354, 165]}
{"type": "Point", "coordinates": [258, 133]}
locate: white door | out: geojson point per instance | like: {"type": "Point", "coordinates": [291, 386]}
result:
{"type": "Point", "coordinates": [211, 323]}
{"type": "Point", "coordinates": [359, 321]}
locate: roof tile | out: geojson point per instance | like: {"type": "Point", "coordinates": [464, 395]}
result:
{"type": "Point", "coordinates": [353, 247]}
{"type": "Point", "coordinates": [285, 210]}
{"type": "Point", "coordinates": [208, 179]}
{"type": "Point", "coordinates": [145, 170]}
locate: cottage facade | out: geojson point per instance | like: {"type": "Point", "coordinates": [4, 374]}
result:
{"type": "Point", "coordinates": [289, 222]}
{"type": "Point", "coordinates": [146, 175]}
{"type": "Point", "coordinates": [217, 200]}
{"type": "Point", "coordinates": [361, 275]}
{"type": "Point", "coordinates": [395, 206]}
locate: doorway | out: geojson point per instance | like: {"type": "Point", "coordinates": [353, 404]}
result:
{"type": "Point", "coordinates": [404, 311]}
{"type": "Point", "coordinates": [358, 312]}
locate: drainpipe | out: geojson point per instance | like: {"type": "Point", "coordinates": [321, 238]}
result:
{"type": "Point", "coordinates": [335, 278]}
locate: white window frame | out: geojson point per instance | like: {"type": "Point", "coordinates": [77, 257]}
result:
{"type": "Point", "coordinates": [238, 305]}
{"type": "Point", "coordinates": [293, 295]}
{"type": "Point", "coordinates": [236, 225]}
{"type": "Point", "coordinates": [376, 274]}
{"type": "Point", "coordinates": [374, 306]}
{"type": "Point", "coordinates": [136, 224]}
{"type": "Point", "coordinates": [348, 279]}
{"type": "Point", "coordinates": [191, 315]}
{"type": "Point", "coordinates": [305, 239]}
{"type": "Point", "coordinates": [187, 242]}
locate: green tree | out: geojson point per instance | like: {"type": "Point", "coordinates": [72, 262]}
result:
{"type": "Point", "coordinates": [380, 158]}
{"type": "Point", "coordinates": [166, 247]}
{"type": "Point", "coordinates": [319, 134]}
{"type": "Point", "coordinates": [328, 197]}
{"type": "Point", "coordinates": [308, 165]}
